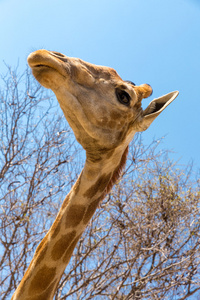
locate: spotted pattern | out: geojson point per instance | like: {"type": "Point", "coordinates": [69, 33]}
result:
{"type": "Point", "coordinates": [70, 250]}
{"type": "Point", "coordinates": [42, 279]}
{"type": "Point", "coordinates": [114, 115]}
{"type": "Point", "coordinates": [41, 245]}
{"type": "Point", "coordinates": [74, 215]}
{"type": "Point", "coordinates": [91, 210]}
{"type": "Point", "coordinates": [46, 294]}
{"type": "Point", "coordinates": [41, 256]}
{"type": "Point", "coordinates": [62, 244]}
{"type": "Point", "coordinates": [98, 186]}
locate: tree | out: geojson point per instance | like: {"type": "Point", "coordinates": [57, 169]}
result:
{"type": "Point", "coordinates": [143, 242]}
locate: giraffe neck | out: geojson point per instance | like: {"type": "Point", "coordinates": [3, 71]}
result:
{"type": "Point", "coordinates": [55, 250]}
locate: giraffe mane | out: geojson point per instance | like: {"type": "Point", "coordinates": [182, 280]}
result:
{"type": "Point", "coordinates": [117, 172]}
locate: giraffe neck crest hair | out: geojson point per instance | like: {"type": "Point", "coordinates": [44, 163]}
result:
{"type": "Point", "coordinates": [104, 113]}
{"type": "Point", "coordinates": [117, 172]}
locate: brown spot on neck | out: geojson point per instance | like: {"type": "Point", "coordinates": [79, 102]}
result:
{"type": "Point", "coordinates": [70, 250]}
{"type": "Point", "coordinates": [98, 186]}
{"type": "Point", "coordinates": [47, 294]}
{"type": "Point", "coordinates": [41, 256]}
{"type": "Point", "coordinates": [105, 182]}
{"type": "Point", "coordinates": [91, 210]}
{"type": "Point", "coordinates": [74, 215]}
{"type": "Point", "coordinates": [62, 245]}
{"type": "Point", "coordinates": [42, 280]}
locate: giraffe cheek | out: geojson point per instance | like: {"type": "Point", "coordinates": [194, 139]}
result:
{"type": "Point", "coordinates": [102, 121]}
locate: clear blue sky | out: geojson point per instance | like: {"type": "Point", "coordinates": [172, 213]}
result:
{"type": "Point", "coordinates": [146, 41]}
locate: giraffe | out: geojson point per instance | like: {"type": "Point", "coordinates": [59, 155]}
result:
{"type": "Point", "coordinates": [104, 113]}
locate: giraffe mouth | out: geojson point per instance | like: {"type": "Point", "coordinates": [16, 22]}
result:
{"type": "Point", "coordinates": [41, 66]}
{"type": "Point", "coordinates": [42, 60]}
{"type": "Point", "coordinates": [157, 105]}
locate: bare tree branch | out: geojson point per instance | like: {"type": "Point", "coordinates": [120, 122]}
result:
{"type": "Point", "coordinates": [144, 240]}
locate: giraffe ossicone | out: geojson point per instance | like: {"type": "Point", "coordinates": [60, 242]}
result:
{"type": "Point", "coordinates": [104, 113]}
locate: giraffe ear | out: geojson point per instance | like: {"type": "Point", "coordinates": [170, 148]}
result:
{"type": "Point", "coordinates": [155, 107]}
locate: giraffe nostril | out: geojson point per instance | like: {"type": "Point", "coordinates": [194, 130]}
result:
{"type": "Point", "coordinates": [58, 54]}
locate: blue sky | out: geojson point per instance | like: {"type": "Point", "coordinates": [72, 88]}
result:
{"type": "Point", "coordinates": [146, 41]}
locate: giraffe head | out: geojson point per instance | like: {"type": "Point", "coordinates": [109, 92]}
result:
{"type": "Point", "coordinates": [102, 109]}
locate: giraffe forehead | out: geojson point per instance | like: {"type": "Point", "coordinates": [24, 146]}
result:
{"type": "Point", "coordinates": [98, 72]}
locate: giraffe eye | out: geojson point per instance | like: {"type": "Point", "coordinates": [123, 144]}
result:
{"type": "Point", "coordinates": [123, 97]}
